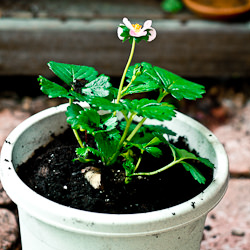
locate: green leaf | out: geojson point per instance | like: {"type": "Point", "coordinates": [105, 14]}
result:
{"type": "Point", "coordinates": [182, 153]}
{"type": "Point", "coordinates": [154, 141]}
{"type": "Point", "coordinates": [98, 87]}
{"type": "Point", "coordinates": [114, 135]}
{"type": "Point", "coordinates": [146, 79]}
{"type": "Point", "coordinates": [160, 129]}
{"type": "Point", "coordinates": [129, 167]}
{"type": "Point", "coordinates": [142, 138]}
{"type": "Point", "coordinates": [83, 119]}
{"type": "Point", "coordinates": [89, 120]}
{"type": "Point", "coordinates": [147, 86]}
{"type": "Point", "coordinates": [52, 89]}
{"type": "Point", "coordinates": [128, 155]}
{"type": "Point", "coordinates": [178, 87]}
{"type": "Point", "coordinates": [106, 147]}
{"type": "Point", "coordinates": [194, 172]}
{"type": "Point", "coordinates": [109, 123]}
{"type": "Point", "coordinates": [151, 109]}
{"type": "Point", "coordinates": [206, 162]}
{"type": "Point", "coordinates": [69, 73]}
{"type": "Point", "coordinates": [72, 113]}
{"type": "Point", "coordinates": [156, 152]}
{"type": "Point", "coordinates": [79, 97]}
{"type": "Point", "coordinates": [83, 153]}
{"type": "Point", "coordinates": [105, 104]}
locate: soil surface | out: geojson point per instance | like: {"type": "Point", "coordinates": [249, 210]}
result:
{"type": "Point", "coordinates": [223, 3]}
{"type": "Point", "coordinates": [53, 174]}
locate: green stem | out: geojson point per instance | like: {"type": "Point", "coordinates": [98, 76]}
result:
{"type": "Point", "coordinates": [129, 121]}
{"type": "Point", "coordinates": [125, 89]}
{"type": "Point", "coordinates": [136, 129]}
{"type": "Point", "coordinates": [138, 162]}
{"type": "Point", "coordinates": [75, 131]}
{"type": "Point", "coordinates": [125, 71]}
{"type": "Point", "coordinates": [159, 99]}
{"type": "Point", "coordinates": [163, 168]}
{"type": "Point", "coordinates": [126, 130]}
{"type": "Point", "coordinates": [78, 138]}
{"type": "Point", "coordinates": [162, 95]}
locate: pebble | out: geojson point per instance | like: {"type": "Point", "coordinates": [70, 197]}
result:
{"type": "Point", "coordinates": [238, 232]}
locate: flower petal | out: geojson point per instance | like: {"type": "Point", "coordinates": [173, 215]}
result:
{"type": "Point", "coordinates": [152, 35]}
{"type": "Point", "coordinates": [127, 23]}
{"type": "Point", "coordinates": [147, 24]}
{"type": "Point", "coordinates": [119, 32]}
{"type": "Point", "coordinates": [137, 34]}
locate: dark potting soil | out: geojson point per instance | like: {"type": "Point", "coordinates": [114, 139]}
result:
{"type": "Point", "coordinates": [52, 174]}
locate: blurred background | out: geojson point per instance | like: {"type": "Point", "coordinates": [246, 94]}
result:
{"type": "Point", "coordinates": [206, 41]}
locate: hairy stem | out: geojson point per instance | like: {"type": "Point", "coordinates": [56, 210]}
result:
{"type": "Point", "coordinates": [125, 71]}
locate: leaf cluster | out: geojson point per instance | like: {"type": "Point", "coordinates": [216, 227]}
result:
{"type": "Point", "coordinates": [123, 140]}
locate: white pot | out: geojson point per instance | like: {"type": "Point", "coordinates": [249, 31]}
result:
{"type": "Point", "coordinates": [46, 225]}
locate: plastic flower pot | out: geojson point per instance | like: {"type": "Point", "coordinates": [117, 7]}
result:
{"type": "Point", "coordinates": [46, 225]}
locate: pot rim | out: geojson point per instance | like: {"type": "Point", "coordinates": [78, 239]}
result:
{"type": "Point", "coordinates": [105, 224]}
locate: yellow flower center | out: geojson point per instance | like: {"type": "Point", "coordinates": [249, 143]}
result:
{"type": "Point", "coordinates": [137, 27]}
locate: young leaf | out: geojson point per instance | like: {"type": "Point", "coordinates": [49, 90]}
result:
{"type": "Point", "coordinates": [83, 153]}
{"type": "Point", "coordinates": [156, 152]}
{"type": "Point", "coordinates": [194, 172]}
{"type": "Point", "coordinates": [129, 167]}
{"type": "Point", "coordinates": [70, 72]}
{"type": "Point", "coordinates": [178, 87]}
{"type": "Point", "coordinates": [52, 89]}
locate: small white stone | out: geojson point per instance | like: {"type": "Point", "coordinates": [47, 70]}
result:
{"type": "Point", "coordinates": [93, 176]}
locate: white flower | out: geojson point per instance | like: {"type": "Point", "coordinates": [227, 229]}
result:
{"type": "Point", "coordinates": [136, 30]}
